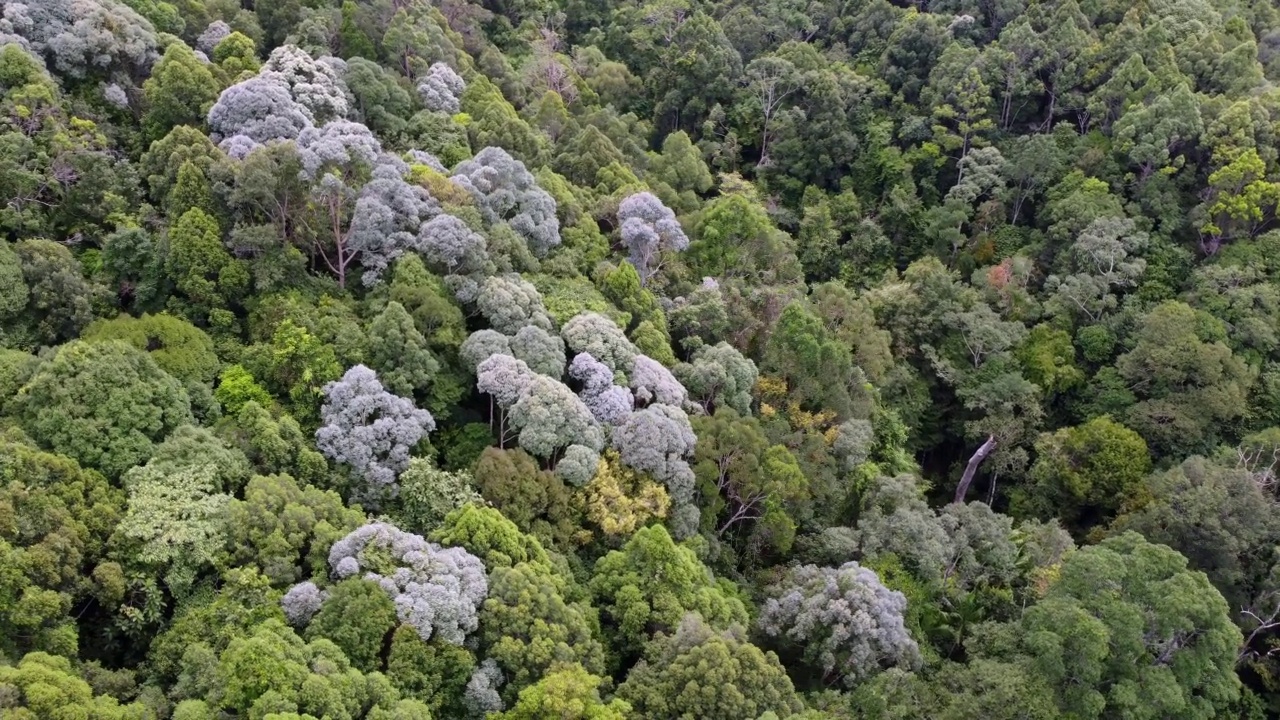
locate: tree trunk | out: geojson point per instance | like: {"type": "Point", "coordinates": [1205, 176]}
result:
{"type": "Point", "coordinates": [972, 469]}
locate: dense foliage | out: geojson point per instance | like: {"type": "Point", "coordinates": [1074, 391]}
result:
{"type": "Point", "coordinates": [653, 359]}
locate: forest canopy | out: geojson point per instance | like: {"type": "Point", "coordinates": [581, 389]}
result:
{"type": "Point", "coordinates": [649, 359]}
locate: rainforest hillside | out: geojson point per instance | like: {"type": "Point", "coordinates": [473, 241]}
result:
{"type": "Point", "coordinates": [642, 359]}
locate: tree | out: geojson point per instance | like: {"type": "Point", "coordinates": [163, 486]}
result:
{"type": "Point", "coordinates": [1217, 517]}
{"type": "Point", "coordinates": [528, 628]}
{"type": "Point", "coordinates": [180, 91]}
{"type": "Point", "coordinates": [540, 350]}
{"type": "Point", "coordinates": [350, 223]}
{"type": "Point", "coordinates": [648, 229]}
{"type": "Point", "coordinates": [598, 335]}
{"type": "Point", "coordinates": [104, 404]}
{"type": "Point", "coordinates": [719, 376]}
{"type": "Point", "coordinates": [83, 37]}
{"type": "Point", "coordinates": [273, 670]}
{"type": "Point", "coordinates": [399, 353]}
{"type": "Point", "coordinates": [549, 417]}
{"type": "Point", "coordinates": [620, 500]}
{"type": "Point", "coordinates": [285, 529]}
{"type": "Point", "coordinates": [653, 383]}
{"type": "Point", "coordinates": [379, 100]}
{"type": "Point", "coordinates": [356, 615]}
{"type": "Point", "coordinates": [818, 371]}
{"type": "Point", "coordinates": [1102, 263]}
{"type": "Point", "coordinates": [178, 347]}
{"type": "Point", "coordinates": [433, 672]}
{"type": "Point", "coordinates": [1151, 134]}
{"type": "Point", "coordinates": [1127, 628]}
{"type": "Point", "coordinates": [253, 112]}
{"type": "Point", "coordinates": [1238, 198]}
{"type": "Point", "coordinates": [743, 481]}
{"type": "Point", "coordinates": [487, 534]}
{"type": "Point", "coordinates": [895, 520]}
{"type": "Point", "coordinates": [571, 694]}
{"type": "Point", "coordinates": [451, 247]}
{"type": "Point", "coordinates": [698, 671]}
{"type": "Point", "coordinates": [437, 591]}
{"type": "Point", "coordinates": [494, 123]}
{"type": "Point", "coordinates": [649, 585]}
{"type": "Point", "coordinates": [190, 446]}
{"type": "Point", "coordinates": [536, 500]}
{"type": "Point", "coordinates": [507, 192]}
{"type": "Point", "coordinates": [200, 267]}
{"type": "Point", "coordinates": [59, 300]}
{"type": "Point", "coordinates": [845, 622]}
{"type": "Point", "coordinates": [982, 549]}
{"type": "Point", "coordinates": [441, 89]}
{"type": "Point", "coordinates": [174, 525]}
{"type": "Point", "coordinates": [1187, 380]}
{"type": "Point", "coordinates": [589, 159]}
{"type": "Point", "coordinates": [45, 687]}
{"type": "Point", "coordinates": [314, 85]}
{"type": "Point", "coordinates": [657, 440]}
{"type": "Point", "coordinates": [509, 302]}
{"type": "Point", "coordinates": [370, 429]}
{"type": "Point", "coordinates": [681, 167]}
{"type": "Point", "coordinates": [60, 517]}
{"type": "Point", "coordinates": [428, 494]}
{"type": "Point", "coordinates": [191, 190]}
{"type": "Point", "coordinates": [734, 237]}
{"type": "Point", "coordinates": [610, 404]}
{"type": "Point", "coordinates": [1085, 474]}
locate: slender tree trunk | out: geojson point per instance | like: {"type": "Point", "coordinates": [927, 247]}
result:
{"type": "Point", "coordinates": [972, 469]}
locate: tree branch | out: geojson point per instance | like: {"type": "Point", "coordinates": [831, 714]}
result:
{"type": "Point", "coordinates": [967, 479]}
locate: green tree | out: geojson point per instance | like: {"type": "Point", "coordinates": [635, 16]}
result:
{"type": "Point", "coordinates": [1217, 517]}
{"type": "Point", "coordinates": [434, 672]}
{"type": "Point", "coordinates": [60, 301]}
{"type": "Point", "coordinates": [285, 529]}
{"type": "Point", "coordinates": [273, 670]}
{"type": "Point", "coordinates": [536, 500]}
{"type": "Point", "coordinates": [485, 533]}
{"type": "Point", "coordinates": [817, 370]}
{"type": "Point", "coordinates": [274, 443]}
{"type": "Point", "coordinates": [745, 482]}
{"type": "Point", "coordinates": [351, 37]}
{"type": "Point", "coordinates": [570, 693]}
{"type": "Point", "coordinates": [493, 122]}
{"type": "Point", "coordinates": [650, 584]}
{"type": "Point", "coordinates": [44, 687]}
{"type": "Point", "coordinates": [528, 627]}
{"type": "Point", "coordinates": [294, 365]}
{"type": "Point", "coordinates": [681, 168]}
{"type": "Point", "coordinates": [1085, 474]}
{"type": "Point", "coordinates": [179, 92]}
{"type": "Point", "coordinates": [357, 616]}
{"type": "Point", "coordinates": [207, 625]}
{"type": "Point", "coordinates": [1187, 381]}
{"type": "Point", "coordinates": [200, 267]}
{"type": "Point", "coordinates": [191, 190]}
{"type": "Point", "coordinates": [178, 347]}
{"type": "Point", "coordinates": [1048, 359]}
{"type": "Point", "coordinates": [174, 527]}
{"type": "Point", "coordinates": [428, 494]}
{"type": "Point", "coordinates": [700, 672]}
{"type": "Point", "coordinates": [399, 354]}
{"type": "Point", "coordinates": [1128, 630]}
{"type": "Point", "coordinates": [105, 404]}
{"type": "Point", "coordinates": [52, 542]}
